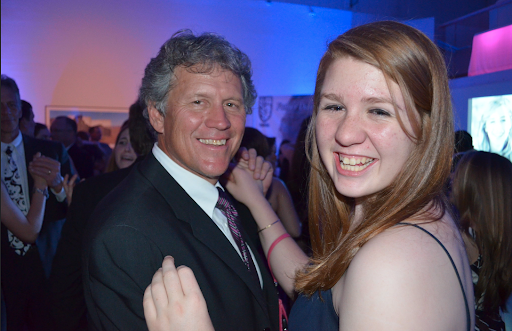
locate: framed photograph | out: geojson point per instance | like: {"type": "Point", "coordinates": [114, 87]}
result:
{"type": "Point", "coordinates": [109, 119]}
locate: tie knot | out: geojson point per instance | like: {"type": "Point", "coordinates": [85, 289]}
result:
{"type": "Point", "coordinates": [224, 204]}
{"type": "Point", "coordinates": [8, 151]}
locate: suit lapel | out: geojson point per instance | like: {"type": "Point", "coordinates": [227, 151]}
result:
{"type": "Point", "coordinates": [204, 229]}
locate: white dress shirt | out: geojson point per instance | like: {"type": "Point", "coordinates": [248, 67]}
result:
{"type": "Point", "coordinates": [204, 194]}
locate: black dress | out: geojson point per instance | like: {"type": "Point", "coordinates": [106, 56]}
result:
{"type": "Point", "coordinates": [317, 312]}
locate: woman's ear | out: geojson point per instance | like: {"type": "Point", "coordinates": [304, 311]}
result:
{"type": "Point", "coordinates": [156, 119]}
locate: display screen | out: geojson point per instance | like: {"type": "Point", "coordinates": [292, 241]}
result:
{"type": "Point", "coordinates": [490, 124]}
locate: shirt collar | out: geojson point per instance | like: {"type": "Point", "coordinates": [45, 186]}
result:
{"type": "Point", "coordinates": [200, 190]}
{"type": "Point", "coordinates": [16, 142]}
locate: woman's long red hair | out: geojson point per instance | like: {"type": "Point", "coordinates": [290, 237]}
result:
{"type": "Point", "coordinates": [408, 58]}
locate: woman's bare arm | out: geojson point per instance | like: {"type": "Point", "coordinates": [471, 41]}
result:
{"type": "Point", "coordinates": [286, 257]}
{"type": "Point", "coordinates": [24, 227]}
{"type": "Point", "coordinates": [284, 208]}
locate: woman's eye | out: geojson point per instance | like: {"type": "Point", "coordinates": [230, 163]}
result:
{"type": "Point", "coordinates": [333, 107]}
{"type": "Point", "coordinates": [379, 112]}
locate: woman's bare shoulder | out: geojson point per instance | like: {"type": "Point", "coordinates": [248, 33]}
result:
{"type": "Point", "coordinates": [404, 275]}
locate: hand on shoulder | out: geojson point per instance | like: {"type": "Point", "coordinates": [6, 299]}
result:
{"type": "Point", "coordinates": [173, 301]}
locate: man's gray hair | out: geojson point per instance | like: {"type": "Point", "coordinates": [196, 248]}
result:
{"type": "Point", "coordinates": [204, 53]}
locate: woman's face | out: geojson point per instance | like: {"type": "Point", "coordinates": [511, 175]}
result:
{"type": "Point", "coordinates": [360, 140]}
{"type": "Point", "coordinates": [124, 153]}
{"type": "Point", "coordinates": [498, 126]}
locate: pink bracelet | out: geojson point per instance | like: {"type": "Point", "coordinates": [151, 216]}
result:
{"type": "Point", "coordinates": [277, 241]}
{"type": "Point", "coordinates": [282, 311]}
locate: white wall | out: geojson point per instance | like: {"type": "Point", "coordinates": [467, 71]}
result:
{"type": "Point", "coordinates": [93, 53]}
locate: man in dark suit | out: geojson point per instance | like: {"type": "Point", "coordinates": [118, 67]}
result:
{"type": "Point", "coordinates": [26, 267]}
{"type": "Point", "coordinates": [64, 129]}
{"type": "Point", "coordinates": [197, 91]}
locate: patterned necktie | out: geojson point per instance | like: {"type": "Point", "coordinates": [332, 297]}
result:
{"type": "Point", "coordinates": [13, 181]}
{"type": "Point", "coordinates": [226, 207]}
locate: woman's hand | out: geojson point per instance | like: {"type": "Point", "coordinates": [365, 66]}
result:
{"type": "Point", "coordinates": [174, 302]}
{"type": "Point", "coordinates": [241, 184]}
{"type": "Point", "coordinates": [69, 185]}
{"type": "Point", "coordinates": [36, 173]}
{"type": "Point", "coordinates": [261, 169]}
{"type": "Point", "coordinates": [47, 168]}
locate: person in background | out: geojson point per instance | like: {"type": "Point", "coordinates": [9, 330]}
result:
{"type": "Point", "coordinates": [96, 134]}
{"type": "Point", "coordinates": [272, 157]}
{"type": "Point", "coordinates": [284, 159]}
{"type": "Point", "coordinates": [64, 130]}
{"type": "Point", "coordinates": [463, 141]}
{"type": "Point", "coordinates": [68, 303]}
{"type": "Point", "coordinates": [41, 132]}
{"type": "Point", "coordinates": [298, 183]}
{"type": "Point", "coordinates": [387, 254]}
{"type": "Point", "coordinates": [482, 192]}
{"type": "Point", "coordinates": [25, 267]}
{"type": "Point", "coordinates": [123, 154]}
{"type": "Point", "coordinates": [463, 144]}
{"type": "Point", "coordinates": [25, 227]}
{"type": "Point", "coordinates": [82, 137]}
{"type": "Point", "coordinates": [277, 194]}
{"type": "Point", "coordinates": [27, 123]}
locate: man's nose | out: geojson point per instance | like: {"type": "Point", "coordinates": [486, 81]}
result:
{"type": "Point", "coordinates": [217, 118]}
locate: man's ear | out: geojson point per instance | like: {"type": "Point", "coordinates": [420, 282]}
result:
{"type": "Point", "coordinates": [156, 119]}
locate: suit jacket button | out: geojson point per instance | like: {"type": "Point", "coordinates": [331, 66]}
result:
{"type": "Point", "coordinates": [266, 329]}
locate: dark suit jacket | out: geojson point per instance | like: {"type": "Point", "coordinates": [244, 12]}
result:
{"type": "Point", "coordinates": [83, 161]}
{"type": "Point", "coordinates": [67, 294]}
{"type": "Point", "coordinates": [147, 217]}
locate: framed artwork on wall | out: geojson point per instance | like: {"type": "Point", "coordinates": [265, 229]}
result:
{"type": "Point", "coordinates": [109, 119]}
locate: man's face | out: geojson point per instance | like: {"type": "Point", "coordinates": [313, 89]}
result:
{"type": "Point", "coordinates": [96, 134]}
{"type": "Point", "coordinates": [27, 126]}
{"type": "Point", "coordinates": [204, 121]}
{"type": "Point", "coordinates": [62, 132]}
{"type": "Point", "coordinates": [11, 112]}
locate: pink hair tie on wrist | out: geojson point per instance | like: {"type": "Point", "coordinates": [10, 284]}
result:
{"type": "Point", "coordinates": [277, 241]}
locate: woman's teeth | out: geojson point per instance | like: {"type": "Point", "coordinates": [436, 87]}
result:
{"type": "Point", "coordinates": [355, 163]}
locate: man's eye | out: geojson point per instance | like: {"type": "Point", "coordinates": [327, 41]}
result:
{"type": "Point", "coordinates": [197, 102]}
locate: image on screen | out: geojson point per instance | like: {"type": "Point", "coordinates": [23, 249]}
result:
{"type": "Point", "coordinates": [490, 124]}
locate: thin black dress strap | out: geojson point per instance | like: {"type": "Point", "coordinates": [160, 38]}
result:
{"type": "Point", "coordinates": [468, 318]}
